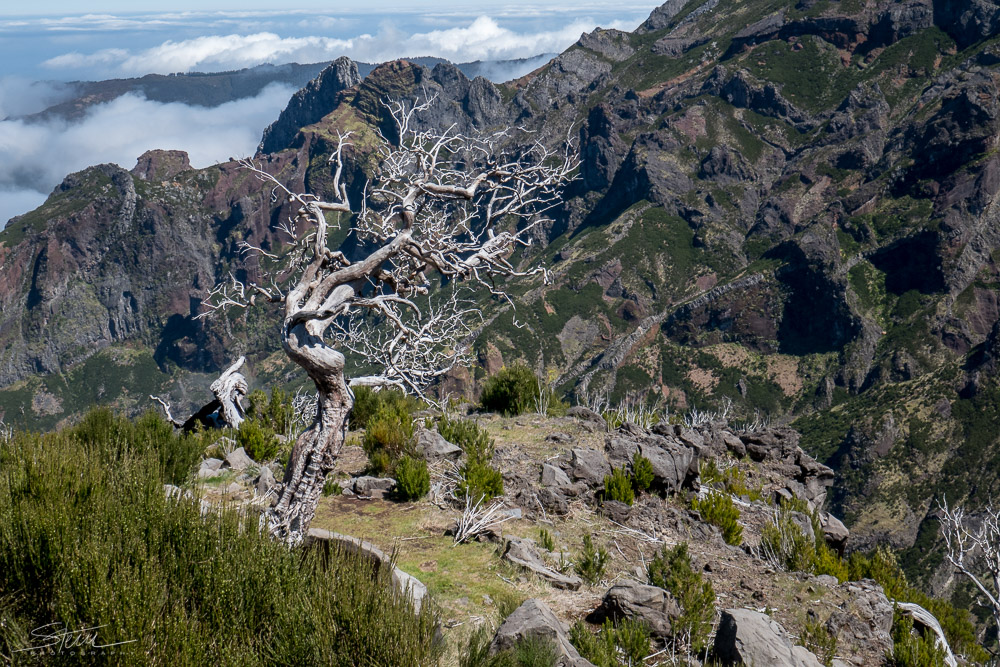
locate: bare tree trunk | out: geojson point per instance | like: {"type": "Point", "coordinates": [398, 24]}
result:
{"type": "Point", "coordinates": [317, 448]}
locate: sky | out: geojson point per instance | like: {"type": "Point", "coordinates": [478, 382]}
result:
{"type": "Point", "coordinates": [46, 44]}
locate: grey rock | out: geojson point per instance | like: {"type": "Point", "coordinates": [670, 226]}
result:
{"type": "Point", "coordinates": [265, 481]}
{"type": "Point", "coordinates": [589, 466]}
{"type": "Point", "coordinates": [866, 618]}
{"type": "Point", "coordinates": [534, 619]}
{"type": "Point", "coordinates": [612, 44]}
{"type": "Point", "coordinates": [309, 105]}
{"type": "Point", "coordinates": [661, 16]}
{"type": "Point", "coordinates": [672, 464]}
{"type": "Point", "coordinates": [211, 464]}
{"type": "Point", "coordinates": [238, 459]}
{"type": "Point", "coordinates": [522, 552]}
{"type": "Point", "coordinates": [834, 532]}
{"type": "Point", "coordinates": [553, 500]}
{"type": "Point", "coordinates": [370, 486]}
{"type": "Point", "coordinates": [752, 638]}
{"type": "Point", "coordinates": [620, 448]}
{"type": "Point", "coordinates": [630, 599]}
{"type": "Point", "coordinates": [616, 510]}
{"type": "Point", "coordinates": [553, 476]}
{"type": "Point", "coordinates": [433, 447]}
{"type": "Point", "coordinates": [734, 444]}
{"type": "Point", "coordinates": [405, 583]}
{"type": "Point", "coordinates": [804, 524]}
{"type": "Point", "coordinates": [586, 414]}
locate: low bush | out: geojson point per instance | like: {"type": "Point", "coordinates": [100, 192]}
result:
{"type": "Point", "coordinates": [258, 440]}
{"type": "Point", "coordinates": [474, 440]}
{"type": "Point", "coordinates": [627, 644]}
{"type": "Point", "coordinates": [512, 391]}
{"type": "Point", "coordinates": [479, 481]}
{"type": "Point", "coordinates": [413, 480]}
{"type": "Point", "coordinates": [368, 402]}
{"type": "Point", "coordinates": [591, 561]}
{"type": "Point", "coordinates": [642, 472]}
{"type": "Point", "coordinates": [671, 570]}
{"type": "Point", "coordinates": [785, 542]}
{"type": "Point", "coordinates": [719, 510]}
{"type": "Point", "coordinates": [882, 566]}
{"type": "Point", "coordinates": [532, 651]}
{"type": "Point", "coordinates": [89, 539]}
{"type": "Point", "coordinates": [331, 488]}
{"type": "Point", "coordinates": [388, 437]}
{"type": "Point", "coordinates": [911, 649]}
{"type": "Point", "coordinates": [618, 486]}
{"type": "Point", "coordinates": [273, 410]}
{"type": "Point", "coordinates": [820, 641]}
{"type": "Point", "coordinates": [546, 540]}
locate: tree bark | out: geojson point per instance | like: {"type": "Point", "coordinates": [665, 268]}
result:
{"type": "Point", "coordinates": [317, 448]}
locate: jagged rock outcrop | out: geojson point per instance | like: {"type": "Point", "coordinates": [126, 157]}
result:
{"type": "Point", "coordinates": [319, 97]}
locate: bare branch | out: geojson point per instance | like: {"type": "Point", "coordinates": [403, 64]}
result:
{"type": "Point", "coordinates": [443, 208]}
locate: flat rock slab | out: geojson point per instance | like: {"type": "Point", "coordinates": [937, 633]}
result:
{"type": "Point", "coordinates": [522, 552]}
{"type": "Point", "coordinates": [404, 583]}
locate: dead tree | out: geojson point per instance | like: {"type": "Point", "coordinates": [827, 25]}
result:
{"type": "Point", "coordinates": [972, 546]}
{"type": "Point", "coordinates": [442, 214]}
{"type": "Point", "coordinates": [225, 410]}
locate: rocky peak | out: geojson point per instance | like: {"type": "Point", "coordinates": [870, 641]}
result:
{"type": "Point", "coordinates": [319, 97]}
{"type": "Point", "coordinates": [159, 165]}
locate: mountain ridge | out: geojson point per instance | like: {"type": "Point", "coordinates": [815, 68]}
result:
{"type": "Point", "coordinates": [788, 206]}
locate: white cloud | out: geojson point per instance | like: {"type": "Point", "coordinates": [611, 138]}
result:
{"type": "Point", "coordinates": [37, 156]}
{"type": "Point", "coordinates": [482, 39]}
{"type": "Point", "coordinates": [20, 96]}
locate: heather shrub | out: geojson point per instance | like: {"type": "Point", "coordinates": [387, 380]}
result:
{"type": "Point", "coordinates": [413, 481]}
{"type": "Point", "coordinates": [89, 539]}
{"type": "Point", "coordinates": [671, 570]}
{"type": "Point", "coordinates": [719, 510]}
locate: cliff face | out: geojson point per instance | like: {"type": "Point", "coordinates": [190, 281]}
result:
{"type": "Point", "coordinates": [790, 206]}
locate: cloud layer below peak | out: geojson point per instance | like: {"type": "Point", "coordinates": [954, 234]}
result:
{"type": "Point", "coordinates": [482, 39]}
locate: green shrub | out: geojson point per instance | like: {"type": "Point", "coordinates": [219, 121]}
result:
{"type": "Point", "coordinates": [413, 480]}
{"type": "Point", "coordinates": [618, 486]}
{"type": "Point", "coordinates": [331, 488]}
{"type": "Point", "coordinates": [731, 480]}
{"type": "Point", "coordinates": [513, 390]}
{"type": "Point", "coordinates": [820, 641]}
{"type": "Point", "coordinates": [467, 434]}
{"type": "Point", "coordinates": [88, 538]}
{"type": "Point", "coordinates": [642, 471]}
{"type": "Point", "coordinates": [388, 437]}
{"type": "Point", "coordinates": [531, 651]}
{"type": "Point", "coordinates": [546, 540]}
{"type": "Point", "coordinates": [882, 566]}
{"type": "Point", "coordinates": [719, 510]}
{"type": "Point", "coordinates": [671, 570]}
{"type": "Point", "coordinates": [259, 441]}
{"type": "Point", "coordinates": [479, 481]}
{"type": "Point", "coordinates": [367, 403]}
{"type": "Point", "coordinates": [627, 644]}
{"type": "Point", "coordinates": [274, 411]}
{"type": "Point", "coordinates": [786, 542]}
{"type": "Point", "coordinates": [911, 650]}
{"type": "Point", "coordinates": [591, 561]}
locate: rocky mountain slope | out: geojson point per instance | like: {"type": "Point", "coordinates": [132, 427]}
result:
{"type": "Point", "coordinates": [787, 206]}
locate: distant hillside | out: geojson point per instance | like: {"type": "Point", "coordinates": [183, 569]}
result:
{"type": "Point", "coordinates": [216, 88]}
{"type": "Point", "coordinates": [790, 206]}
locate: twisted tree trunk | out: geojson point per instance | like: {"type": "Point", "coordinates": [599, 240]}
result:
{"type": "Point", "coordinates": [317, 448]}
